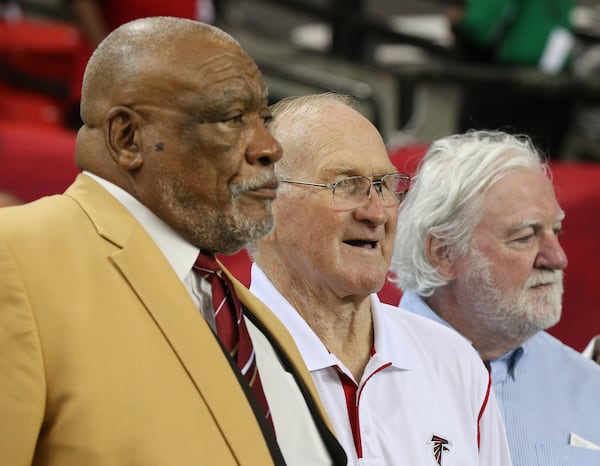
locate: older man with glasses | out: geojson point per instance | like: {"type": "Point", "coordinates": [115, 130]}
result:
{"type": "Point", "coordinates": [398, 388]}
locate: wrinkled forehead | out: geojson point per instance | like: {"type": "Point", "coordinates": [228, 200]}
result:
{"type": "Point", "coordinates": [219, 76]}
{"type": "Point", "coordinates": [348, 152]}
{"type": "Point", "coordinates": [232, 73]}
{"type": "Point", "coordinates": [523, 196]}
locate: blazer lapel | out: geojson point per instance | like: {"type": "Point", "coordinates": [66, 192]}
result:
{"type": "Point", "coordinates": [157, 286]}
{"type": "Point", "coordinates": [284, 346]}
{"type": "Point", "coordinates": [279, 336]}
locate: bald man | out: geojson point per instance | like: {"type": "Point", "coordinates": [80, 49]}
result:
{"type": "Point", "coordinates": [108, 341]}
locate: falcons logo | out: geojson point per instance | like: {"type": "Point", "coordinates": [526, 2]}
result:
{"type": "Point", "coordinates": [440, 446]}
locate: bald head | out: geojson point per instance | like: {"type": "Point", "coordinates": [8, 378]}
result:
{"type": "Point", "coordinates": [165, 63]}
{"type": "Point", "coordinates": [157, 52]}
{"type": "Point", "coordinates": [312, 126]}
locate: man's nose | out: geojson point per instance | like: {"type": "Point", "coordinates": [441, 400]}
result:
{"type": "Point", "coordinates": [263, 149]}
{"type": "Point", "coordinates": [551, 254]}
{"type": "Point", "coordinates": [373, 209]}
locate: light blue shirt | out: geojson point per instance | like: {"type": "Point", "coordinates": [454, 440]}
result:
{"type": "Point", "coordinates": [548, 394]}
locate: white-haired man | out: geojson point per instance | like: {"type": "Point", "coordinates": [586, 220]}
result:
{"type": "Point", "coordinates": [477, 249]}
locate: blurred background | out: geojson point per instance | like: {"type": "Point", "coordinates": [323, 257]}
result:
{"type": "Point", "coordinates": [419, 70]}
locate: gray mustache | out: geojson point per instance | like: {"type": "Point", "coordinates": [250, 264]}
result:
{"type": "Point", "coordinates": [544, 277]}
{"type": "Point", "coordinates": [264, 180]}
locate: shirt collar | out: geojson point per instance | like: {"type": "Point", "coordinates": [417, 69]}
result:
{"type": "Point", "coordinates": [390, 342]}
{"type": "Point", "coordinates": [180, 254]}
{"type": "Point", "coordinates": [314, 352]}
{"type": "Point", "coordinates": [506, 365]}
{"type": "Point", "coordinates": [390, 338]}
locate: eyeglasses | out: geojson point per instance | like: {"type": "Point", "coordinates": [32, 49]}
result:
{"type": "Point", "coordinates": [351, 192]}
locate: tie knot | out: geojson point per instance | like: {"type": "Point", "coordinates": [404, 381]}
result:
{"type": "Point", "coordinates": [206, 264]}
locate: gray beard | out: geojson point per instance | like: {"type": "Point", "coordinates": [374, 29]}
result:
{"type": "Point", "coordinates": [224, 232]}
{"type": "Point", "coordinates": [510, 315]}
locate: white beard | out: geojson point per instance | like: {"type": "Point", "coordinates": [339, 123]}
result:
{"type": "Point", "coordinates": [512, 315]}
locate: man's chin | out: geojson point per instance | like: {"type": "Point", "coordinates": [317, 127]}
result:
{"type": "Point", "coordinates": [548, 312]}
{"type": "Point", "coordinates": [252, 230]}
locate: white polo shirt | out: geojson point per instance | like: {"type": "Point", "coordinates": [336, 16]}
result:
{"type": "Point", "coordinates": [424, 398]}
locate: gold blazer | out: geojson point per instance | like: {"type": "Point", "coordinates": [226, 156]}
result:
{"type": "Point", "coordinates": [104, 358]}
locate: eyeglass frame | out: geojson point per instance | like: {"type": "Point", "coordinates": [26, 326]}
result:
{"type": "Point", "coordinates": [372, 183]}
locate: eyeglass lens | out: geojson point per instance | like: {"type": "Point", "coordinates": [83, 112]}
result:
{"type": "Point", "coordinates": [352, 191]}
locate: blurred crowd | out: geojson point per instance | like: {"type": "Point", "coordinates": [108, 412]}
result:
{"type": "Point", "coordinates": [556, 103]}
{"type": "Point", "coordinates": [300, 234]}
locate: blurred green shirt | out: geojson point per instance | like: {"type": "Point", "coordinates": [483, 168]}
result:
{"type": "Point", "coordinates": [515, 31]}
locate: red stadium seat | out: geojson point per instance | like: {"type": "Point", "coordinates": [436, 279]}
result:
{"type": "Point", "coordinates": [36, 160]}
{"type": "Point", "coordinates": [46, 49]}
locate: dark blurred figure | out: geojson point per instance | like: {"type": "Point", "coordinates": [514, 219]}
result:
{"type": "Point", "coordinates": [507, 33]}
{"type": "Point", "coordinates": [96, 18]}
{"type": "Point", "coordinates": [584, 134]}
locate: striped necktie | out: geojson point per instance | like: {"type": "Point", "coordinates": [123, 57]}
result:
{"type": "Point", "coordinates": [231, 327]}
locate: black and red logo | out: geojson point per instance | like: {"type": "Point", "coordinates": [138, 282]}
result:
{"type": "Point", "coordinates": [441, 446]}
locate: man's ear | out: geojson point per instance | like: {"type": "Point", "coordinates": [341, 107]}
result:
{"type": "Point", "coordinates": [123, 137]}
{"type": "Point", "coordinates": [439, 256]}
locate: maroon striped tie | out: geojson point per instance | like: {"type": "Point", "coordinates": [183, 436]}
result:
{"type": "Point", "coordinates": [231, 327]}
